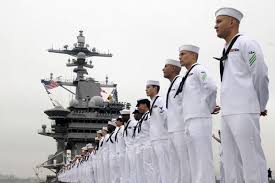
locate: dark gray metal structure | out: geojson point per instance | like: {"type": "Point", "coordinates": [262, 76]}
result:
{"type": "Point", "coordinates": [75, 126]}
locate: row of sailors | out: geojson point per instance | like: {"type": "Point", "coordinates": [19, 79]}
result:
{"type": "Point", "coordinates": [169, 141]}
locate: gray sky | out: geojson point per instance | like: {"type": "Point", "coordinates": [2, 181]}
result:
{"type": "Point", "coordinates": [141, 34]}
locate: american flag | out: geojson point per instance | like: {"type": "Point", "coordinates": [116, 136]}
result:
{"type": "Point", "coordinates": [49, 84]}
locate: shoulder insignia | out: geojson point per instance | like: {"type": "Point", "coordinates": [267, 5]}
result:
{"type": "Point", "coordinates": [252, 58]}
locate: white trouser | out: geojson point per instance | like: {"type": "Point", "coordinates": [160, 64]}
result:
{"type": "Point", "coordinates": [106, 166]}
{"type": "Point", "coordinates": [160, 160]}
{"type": "Point", "coordinates": [222, 172]}
{"type": "Point", "coordinates": [179, 171]}
{"type": "Point", "coordinates": [121, 164]}
{"type": "Point", "coordinates": [139, 164]}
{"type": "Point", "coordinates": [130, 165]}
{"type": "Point", "coordinates": [198, 138]}
{"type": "Point", "coordinates": [148, 164]}
{"type": "Point", "coordinates": [244, 159]}
{"type": "Point", "coordinates": [101, 177]}
{"type": "Point", "coordinates": [114, 166]}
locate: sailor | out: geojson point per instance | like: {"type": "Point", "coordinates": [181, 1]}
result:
{"type": "Point", "coordinates": [105, 155]}
{"type": "Point", "coordinates": [82, 165]}
{"type": "Point", "coordinates": [158, 132]}
{"type": "Point", "coordinates": [244, 95]}
{"type": "Point", "coordinates": [197, 94]}
{"type": "Point", "coordinates": [90, 162]}
{"type": "Point", "coordinates": [120, 146]}
{"type": "Point", "coordinates": [128, 175]}
{"type": "Point", "coordinates": [136, 117]}
{"type": "Point", "coordinates": [96, 159]}
{"type": "Point", "coordinates": [113, 159]}
{"type": "Point", "coordinates": [143, 129]}
{"type": "Point", "coordinates": [176, 148]}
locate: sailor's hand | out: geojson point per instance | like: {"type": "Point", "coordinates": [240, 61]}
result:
{"type": "Point", "coordinates": [264, 113]}
{"type": "Point", "coordinates": [216, 110]}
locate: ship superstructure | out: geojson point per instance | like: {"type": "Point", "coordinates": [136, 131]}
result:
{"type": "Point", "coordinates": [75, 126]}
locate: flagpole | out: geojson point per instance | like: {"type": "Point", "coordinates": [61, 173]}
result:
{"type": "Point", "coordinates": [49, 96]}
{"type": "Point", "coordinates": [67, 89]}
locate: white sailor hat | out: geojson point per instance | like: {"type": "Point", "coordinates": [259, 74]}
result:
{"type": "Point", "coordinates": [172, 62]}
{"type": "Point", "coordinates": [189, 47]}
{"type": "Point", "coordinates": [113, 123]}
{"type": "Point", "coordinates": [118, 118]}
{"type": "Point", "coordinates": [99, 131]}
{"type": "Point", "coordinates": [152, 82]}
{"type": "Point", "coordinates": [124, 112]}
{"type": "Point", "coordinates": [229, 12]}
{"type": "Point", "coordinates": [84, 148]}
{"type": "Point", "coordinates": [89, 146]}
{"type": "Point", "coordinates": [105, 128]}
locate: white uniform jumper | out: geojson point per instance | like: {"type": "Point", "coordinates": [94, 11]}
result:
{"type": "Point", "coordinates": [198, 99]}
{"type": "Point", "coordinates": [129, 164]}
{"type": "Point", "coordinates": [120, 152]}
{"type": "Point", "coordinates": [244, 94]}
{"type": "Point", "coordinates": [159, 140]}
{"type": "Point", "coordinates": [113, 159]}
{"type": "Point", "coordinates": [175, 135]}
{"type": "Point", "coordinates": [143, 127]}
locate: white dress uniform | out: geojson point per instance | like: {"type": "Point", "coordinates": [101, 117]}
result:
{"type": "Point", "coordinates": [244, 94]}
{"type": "Point", "coordinates": [114, 167]}
{"type": "Point", "coordinates": [92, 162]}
{"type": "Point", "coordinates": [129, 165]}
{"type": "Point", "coordinates": [177, 149]}
{"type": "Point", "coordinates": [100, 166]}
{"type": "Point", "coordinates": [120, 152]}
{"type": "Point", "coordinates": [139, 171]}
{"type": "Point", "coordinates": [159, 140]}
{"type": "Point", "coordinates": [143, 128]}
{"type": "Point", "coordinates": [198, 101]}
{"type": "Point", "coordinates": [105, 159]}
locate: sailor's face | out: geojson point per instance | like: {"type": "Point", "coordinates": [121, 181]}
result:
{"type": "Point", "coordinates": [223, 26]}
{"type": "Point", "coordinates": [167, 70]}
{"type": "Point", "coordinates": [141, 108]}
{"type": "Point", "coordinates": [149, 91]}
{"type": "Point", "coordinates": [185, 57]}
{"type": "Point", "coordinates": [119, 123]}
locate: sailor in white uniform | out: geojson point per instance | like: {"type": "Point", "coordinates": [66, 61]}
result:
{"type": "Point", "coordinates": [244, 95]}
{"type": "Point", "coordinates": [158, 132]}
{"type": "Point", "coordinates": [143, 129]}
{"type": "Point", "coordinates": [105, 156]}
{"type": "Point", "coordinates": [113, 159]}
{"type": "Point", "coordinates": [137, 149]}
{"type": "Point", "coordinates": [99, 169]}
{"type": "Point", "coordinates": [197, 95]}
{"type": "Point", "coordinates": [120, 147]}
{"type": "Point", "coordinates": [90, 163]}
{"type": "Point", "coordinates": [129, 124]}
{"type": "Point", "coordinates": [176, 147]}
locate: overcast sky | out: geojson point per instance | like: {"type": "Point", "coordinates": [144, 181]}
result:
{"type": "Point", "coordinates": [141, 34]}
